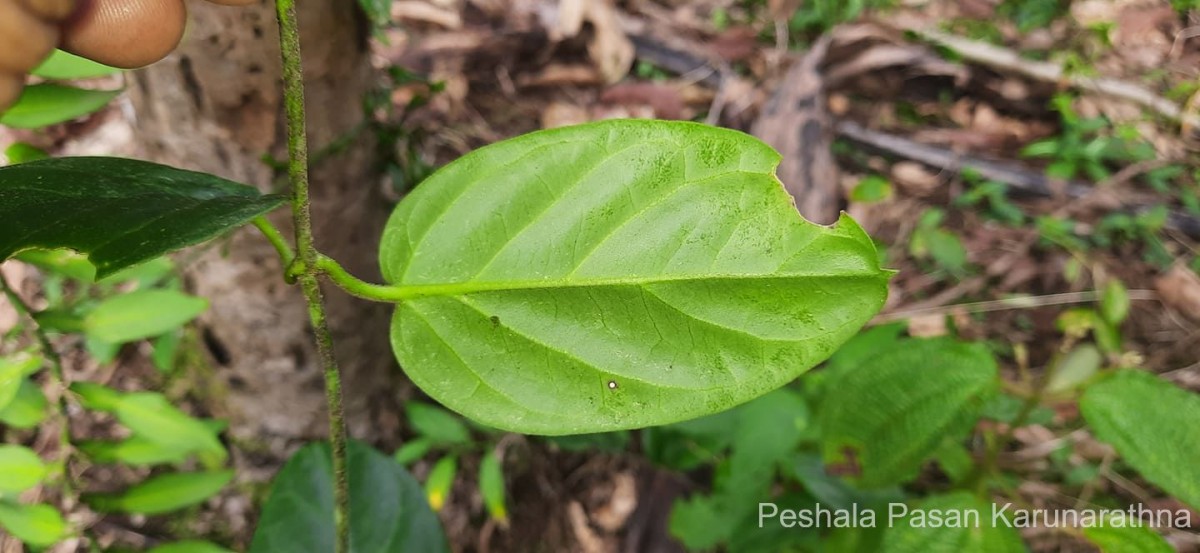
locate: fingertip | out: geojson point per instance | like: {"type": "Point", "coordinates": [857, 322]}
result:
{"type": "Point", "coordinates": [10, 90]}
{"type": "Point", "coordinates": [25, 40]}
{"type": "Point", "coordinates": [125, 33]}
{"type": "Point", "coordinates": [234, 2]}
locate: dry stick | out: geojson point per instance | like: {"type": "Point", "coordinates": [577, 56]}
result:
{"type": "Point", "coordinates": [1016, 175]}
{"type": "Point", "coordinates": [1009, 60]}
{"type": "Point", "coordinates": [1020, 302]}
{"type": "Point", "coordinates": [304, 266]}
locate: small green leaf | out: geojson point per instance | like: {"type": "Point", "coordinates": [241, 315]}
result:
{"type": "Point", "coordinates": [97, 397]}
{"type": "Point", "coordinates": [21, 469]}
{"type": "Point", "coordinates": [37, 525]}
{"type": "Point", "coordinates": [27, 409]}
{"type": "Point", "coordinates": [21, 152]}
{"type": "Point", "coordinates": [440, 480]}
{"type": "Point", "coordinates": [890, 413]}
{"type": "Point", "coordinates": [141, 314]}
{"type": "Point", "coordinates": [136, 451]}
{"type": "Point", "coordinates": [166, 347]}
{"type": "Point", "coordinates": [67, 66]}
{"type": "Point", "coordinates": [413, 450]}
{"type": "Point", "coordinates": [163, 493]}
{"type": "Point", "coordinates": [119, 212]}
{"type": "Point", "coordinates": [1114, 304]}
{"type": "Point", "coordinates": [871, 189]}
{"type": "Point", "coordinates": [190, 546]}
{"type": "Point", "coordinates": [1152, 424]}
{"type": "Point", "coordinates": [1075, 368]}
{"type": "Point", "coordinates": [388, 512]}
{"type": "Point", "coordinates": [152, 417]}
{"type": "Point", "coordinates": [60, 261]}
{"type": "Point", "coordinates": [13, 371]}
{"type": "Point", "coordinates": [966, 525]}
{"type": "Point", "coordinates": [617, 275]}
{"type": "Point", "coordinates": [437, 424]}
{"type": "Point", "coordinates": [491, 487]}
{"type": "Point", "coordinates": [1128, 536]}
{"type": "Point", "coordinates": [42, 105]}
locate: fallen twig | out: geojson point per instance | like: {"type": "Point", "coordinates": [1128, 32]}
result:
{"type": "Point", "coordinates": [1008, 60]}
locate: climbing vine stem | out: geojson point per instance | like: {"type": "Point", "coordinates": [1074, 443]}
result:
{"type": "Point", "coordinates": [306, 257]}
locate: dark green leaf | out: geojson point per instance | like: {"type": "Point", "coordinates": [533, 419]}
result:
{"type": "Point", "coordinates": [163, 494]}
{"type": "Point", "coordinates": [388, 512]}
{"type": "Point", "coordinates": [617, 275]}
{"type": "Point", "coordinates": [118, 211]}
{"type": "Point", "coordinates": [1153, 425]}
{"type": "Point", "coordinates": [888, 415]}
{"type": "Point", "coordinates": [42, 105]}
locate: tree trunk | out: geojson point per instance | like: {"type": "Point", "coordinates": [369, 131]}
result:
{"type": "Point", "coordinates": [215, 106]}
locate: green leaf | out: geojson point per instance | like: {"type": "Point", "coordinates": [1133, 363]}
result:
{"type": "Point", "coordinates": [890, 413]}
{"type": "Point", "coordinates": [436, 423]}
{"type": "Point", "coordinates": [152, 417]}
{"type": "Point", "coordinates": [97, 397]}
{"type": "Point", "coordinates": [1114, 304]}
{"type": "Point", "coordinates": [13, 371]}
{"type": "Point", "coordinates": [440, 480]}
{"type": "Point", "coordinates": [871, 189]}
{"type": "Point", "coordinates": [617, 275]}
{"type": "Point", "coordinates": [42, 105]}
{"type": "Point", "coordinates": [388, 512]}
{"type": "Point", "coordinates": [21, 467]}
{"type": "Point", "coordinates": [60, 261]}
{"type": "Point", "coordinates": [65, 66]}
{"type": "Point", "coordinates": [413, 450]}
{"type": "Point", "coordinates": [1075, 368]}
{"type": "Point", "coordinates": [135, 451]}
{"type": "Point", "coordinates": [141, 314]}
{"type": "Point", "coordinates": [27, 409]}
{"type": "Point", "coordinates": [491, 487]}
{"type": "Point", "coordinates": [166, 347]}
{"type": "Point", "coordinates": [21, 152]}
{"type": "Point", "coordinates": [1151, 423]}
{"type": "Point", "coordinates": [163, 493]}
{"type": "Point", "coordinates": [1124, 537]}
{"type": "Point", "coordinates": [118, 211]}
{"type": "Point", "coordinates": [378, 11]}
{"type": "Point", "coordinates": [190, 546]}
{"type": "Point", "coordinates": [37, 525]}
{"type": "Point", "coordinates": [917, 532]}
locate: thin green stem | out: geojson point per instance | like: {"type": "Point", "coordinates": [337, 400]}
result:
{"type": "Point", "coordinates": [57, 378]}
{"type": "Point", "coordinates": [272, 234]}
{"type": "Point", "coordinates": [306, 255]}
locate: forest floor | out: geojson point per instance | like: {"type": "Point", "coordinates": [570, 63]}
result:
{"type": "Point", "coordinates": [1012, 159]}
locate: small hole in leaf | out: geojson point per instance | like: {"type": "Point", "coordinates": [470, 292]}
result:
{"type": "Point", "coordinates": [612, 384]}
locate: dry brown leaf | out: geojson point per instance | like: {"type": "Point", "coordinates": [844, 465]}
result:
{"type": "Point", "coordinates": [1179, 288]}
{"type": "Point", "coordinates": [612, 515]}
{"type": "Point", "coordinates": [424, 12]}
{"type": "Point", "coordinates": [664, 99]}
{"type": "Point", "coordinates": [609, 48]}
{"type": "Point", "coordinates": [914, 178]}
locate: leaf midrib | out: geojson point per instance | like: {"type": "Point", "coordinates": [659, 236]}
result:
{"type": "Point", "coordinates": [401, 292]}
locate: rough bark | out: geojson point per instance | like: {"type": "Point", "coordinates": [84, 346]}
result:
{"type": "Point", "coordinates": [215, 106]}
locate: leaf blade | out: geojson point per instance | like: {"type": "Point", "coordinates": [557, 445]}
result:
{"type": "Point", "coordinates": [122, 211]}
{"type": "Point", "coordinates": [684, 256]}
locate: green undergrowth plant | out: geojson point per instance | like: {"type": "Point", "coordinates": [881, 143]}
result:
{"type": "Point", "coordinates": [581, 281]}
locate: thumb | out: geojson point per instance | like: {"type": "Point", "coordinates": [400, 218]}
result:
{"type": "Point", "coordinates": [124, 33]}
